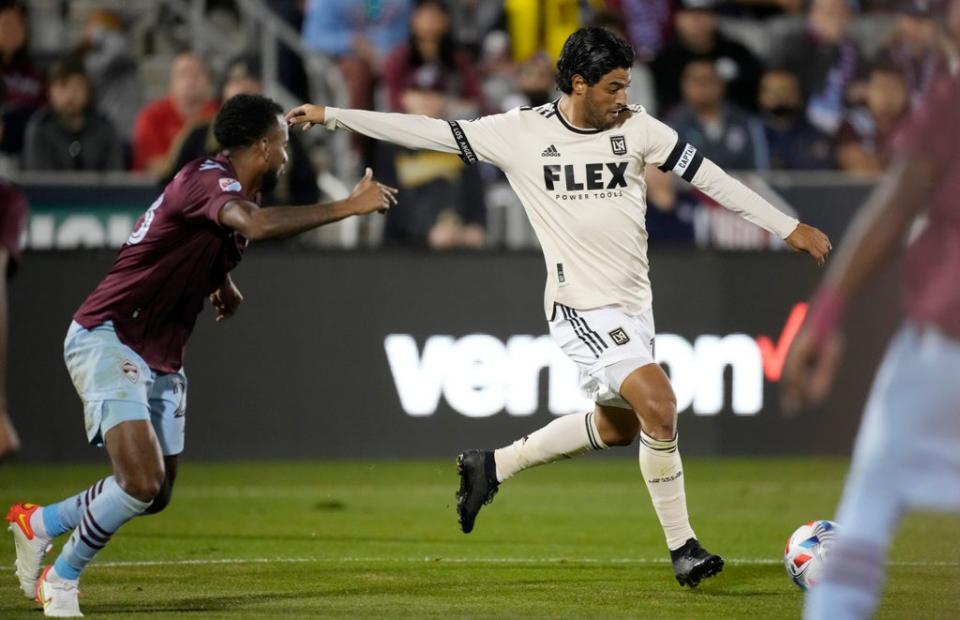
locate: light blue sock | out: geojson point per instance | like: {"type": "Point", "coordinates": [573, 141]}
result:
{"type": "Point", "coordinates": [64, 516]}
{"type": "Point", "coordinates": [102, 517]}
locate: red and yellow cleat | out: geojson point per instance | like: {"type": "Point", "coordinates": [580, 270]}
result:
{"type": "Point", "coordinates": [31, 547]}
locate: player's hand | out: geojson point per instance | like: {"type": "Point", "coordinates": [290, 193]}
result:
{"type": "Point", "coordinates": [307, 115]}
{"type": "Point", "coordinates": [9, 442]}
{"type": "Point", "coordinates": [812, 241]}
{"type": "Point", "coordinates": [226, 300]}
{"type": "Point", "coordinates": [809, 370]}
{"type": "Point", "coordinates": [369, 196]}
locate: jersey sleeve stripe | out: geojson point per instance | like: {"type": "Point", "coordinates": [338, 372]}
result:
{"type": "Point", "coordinates": [467, 153]}
{"type": "Point", "coordinates": [691, 170]}
{"type": "Point", "coordinates": [674, 156]}
{"type": "Point", "coordinates": [684, 160]}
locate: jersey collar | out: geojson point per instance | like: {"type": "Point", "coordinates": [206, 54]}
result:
{"type": "Point", "coordinates": [559, 115]}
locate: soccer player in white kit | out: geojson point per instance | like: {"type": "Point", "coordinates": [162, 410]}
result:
{"type": "Point", "coordinates": [907, 452]}
{"type": "Point", "coordinates": [577, 165]}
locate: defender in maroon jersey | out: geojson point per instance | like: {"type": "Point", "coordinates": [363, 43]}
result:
{"type": "Point", "coordinates": [907, 452]}
{"type": "Point", "coordinates": [125, 347]}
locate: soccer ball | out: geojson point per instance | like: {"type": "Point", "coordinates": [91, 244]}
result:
{"type": "Point", "coordinates": [806, 551]}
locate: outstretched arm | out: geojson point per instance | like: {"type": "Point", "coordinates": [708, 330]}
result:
{"type": "Point", "coordinates": [409, 130]}
{"type": "Point", "coordinates": [258, 224]}
{"type": "Point", "coordinates": [734, 195]}
{"type": "Point", "coordinates": [483, 139]}
{"type": "Point", "coordinates": [670, 154]}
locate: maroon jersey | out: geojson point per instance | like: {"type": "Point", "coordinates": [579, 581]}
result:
{"type": "Point", "coordinates": [176, 256]}
{"type": "Point", "coordinates": [932, 262]}
{"type": "Point", "coordinates": [13, 218]}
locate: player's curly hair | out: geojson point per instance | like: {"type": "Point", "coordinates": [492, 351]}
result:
{"type": "Point", "coordinates": [591, 52]}
{"type": "Point", "coordinates": [244, 119]}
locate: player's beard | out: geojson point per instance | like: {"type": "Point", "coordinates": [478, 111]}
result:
{"type": "Point", "coordinates": [599, 117]}
{"type": "Point", "coordinates": [270, 180]}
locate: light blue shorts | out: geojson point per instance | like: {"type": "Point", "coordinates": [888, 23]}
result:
{"type": "Point", "coordinates": [116, 385]}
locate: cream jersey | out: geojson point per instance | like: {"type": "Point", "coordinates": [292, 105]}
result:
{"type": "Point", "coordinates": [583, 189]}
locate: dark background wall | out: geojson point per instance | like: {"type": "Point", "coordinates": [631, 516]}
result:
{"type": "Point", "coordinates": [301, 372]}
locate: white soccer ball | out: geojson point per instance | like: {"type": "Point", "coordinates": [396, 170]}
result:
{"type": "Point", "coordinates": [806, 551]}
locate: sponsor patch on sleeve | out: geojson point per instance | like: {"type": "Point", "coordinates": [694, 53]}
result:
{"type": "Point", "coordinates": [229, 185]}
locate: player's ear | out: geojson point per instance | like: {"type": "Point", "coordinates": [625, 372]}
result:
{"type": "Point", "coordinates": [579, 84]}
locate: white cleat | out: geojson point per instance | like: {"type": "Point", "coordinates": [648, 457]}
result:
{"type": "Point", "coordinates": [31, 547]}
{"type": "Point", "coordinates": [59, 597]}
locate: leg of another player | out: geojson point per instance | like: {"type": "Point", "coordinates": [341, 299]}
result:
{"type": "Point", "coordinates": [138, 476]}
{"type": "Point", "coordinates": [162, 500]}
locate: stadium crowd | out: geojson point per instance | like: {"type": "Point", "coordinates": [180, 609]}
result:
{"type": "Point", "coordinates": [755, 84]}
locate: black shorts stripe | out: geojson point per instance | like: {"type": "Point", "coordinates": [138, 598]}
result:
{"type": "Point", "coordinates": [593, 440]}
{"type": "Point", "coordinates": [593, 335]}
{"type": "Point", "coordinates": [467, 153]}
{"type": "Point", "coordinates": [579, 331]}
{"type": "Point", "coordinates": [674, 157]}
{"type": "Point", "coordinates": [691, 170]}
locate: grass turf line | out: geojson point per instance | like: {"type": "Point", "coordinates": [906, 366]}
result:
{"type": "Point", "coordinates": [380, 539]}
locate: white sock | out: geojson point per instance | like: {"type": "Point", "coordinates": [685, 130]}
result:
{"type": "Point", "coordinates": [663, 472]}
{"type": "Point", "coordinates": [564, 438]}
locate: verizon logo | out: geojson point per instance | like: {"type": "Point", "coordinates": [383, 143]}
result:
{"type": "Point", "coordinates": [480, 375]}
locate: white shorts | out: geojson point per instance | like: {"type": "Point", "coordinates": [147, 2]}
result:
{"type": "Point", "coordinates": [606, 344]}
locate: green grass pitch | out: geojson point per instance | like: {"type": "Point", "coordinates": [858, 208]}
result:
{"type": "Point", "coordinates": [380, 539]}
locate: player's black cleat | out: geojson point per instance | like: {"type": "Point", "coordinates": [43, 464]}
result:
{"type": "Point", "coordinates": [478, 485]}
{"type": "Point", "coordinates": [692, 563]}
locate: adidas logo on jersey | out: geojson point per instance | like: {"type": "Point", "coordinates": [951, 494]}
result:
{"type": "Point", "coordinates": [551, 151]}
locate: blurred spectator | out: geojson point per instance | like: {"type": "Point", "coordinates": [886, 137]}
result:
{"type": "Point", "coordinates": [25, 92]}
{"type": "Point", "coordinates": [298, 184]}
{"type": "Point", "coordinates": [69, 134]}
{"type": "Point", "coordinates": [648, 24]}
{"type": "Point", "coordinates": [117, 88]}
{"type": "Point", "coordinates": [541, 26]}
{"type": "Point", "coordinates": [697, 38]}
{"type": "Point", "coordinates": [720, 130]}
{"type": "Point", "coordinates": [762, 9]}
{"type": "Point", "coordinates": [290, 70]}
{"type": "Point", "coordinates": [358, 35]}
{"type": "Point", "coordinates": [534, 85]}
{"type": "Point", "coordinates": [431, 75]}
{"type": "Point", "coordinates": [826, 59]}
{"type": "Point", "coordinates": [864, 140]}
{"type": "Point", "coordinates": [950, 43]}
{"type": "Point", "coordinates": [473, 20]}
{"type": "Point", "coordinates": [641, 91]}
{"type": "Point", "coordinates": [794, 143]}
{"type": "Point", "coordinates": [442, 204]}
{"type": "Point", "coordinates": [162, 121]}
{"type": "Point", "coordinates": [500, 72]}
{"type": "Point", "coordinates": [915, 46]}
{"type": "Point", "coordinates": [13, 219]}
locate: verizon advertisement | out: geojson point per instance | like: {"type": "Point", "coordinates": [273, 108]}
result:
{"type": "Point", "coordinates": [480, 375]}
{"type": "Point", "coordinates": [418, 355]}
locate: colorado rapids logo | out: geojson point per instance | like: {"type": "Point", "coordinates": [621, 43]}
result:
{"type": "Point", "coordinates": [130, 371]}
